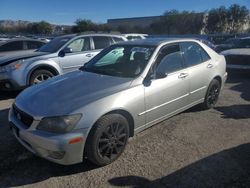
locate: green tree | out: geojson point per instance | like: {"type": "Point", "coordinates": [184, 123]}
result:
{"type": "Point", "coordinates": [227, 20]}
{"type": "Point", "coordinates": [217, 20]}
{"type": "Point", "coordinates": [175, 22]}
{"type": "Point", "coordinates": [83, 25]}
{"type": "Point", "coordinates": [40, 28]}
{"type": "Point", "coordinates": [237, 17]}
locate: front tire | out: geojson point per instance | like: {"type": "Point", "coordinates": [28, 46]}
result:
{"type": "Point", "coordinates": [107, 139]}
{"type": "Point", "coordinates": [212, 94]}
{"type": "Point", "coordinates": [39, 76]}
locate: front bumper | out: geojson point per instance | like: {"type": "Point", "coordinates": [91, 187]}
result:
{"type": "Point", "coordinates": [8, 82]}
{"type": "Point", "coordinates": [53, 147]}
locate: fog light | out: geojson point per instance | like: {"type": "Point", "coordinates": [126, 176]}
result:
{"type": "Point", "coordinates": [56, 154]}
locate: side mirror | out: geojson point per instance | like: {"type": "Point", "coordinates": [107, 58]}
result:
{"type": "Point", "coordinates": [160, 75]}
{"type": "Point", "coordinates": [65, 51]}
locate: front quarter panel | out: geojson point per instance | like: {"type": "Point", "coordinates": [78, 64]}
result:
{"type": "Point", "coordinates": [130, 100]}
{"type": "Point", "coordinates": [48, 62]}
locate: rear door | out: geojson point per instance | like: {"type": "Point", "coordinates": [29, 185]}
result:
{"type": "Point", "coordinates": [101, 42]}
{"type": "Point", "coordinates": [200, 68]}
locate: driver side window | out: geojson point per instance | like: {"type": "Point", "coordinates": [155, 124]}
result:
{"type": "Point", "coordinates": [169, 59]}
{"type": "Point", "coordinates": [80, 45]}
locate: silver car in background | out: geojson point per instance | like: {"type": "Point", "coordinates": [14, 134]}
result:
{"type": "Point", "coordinates": [125, 89]}
{"type": "Point", "coordinates": [62, 55]}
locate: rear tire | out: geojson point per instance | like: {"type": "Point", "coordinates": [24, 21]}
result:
{"type": "Point", "coordinates": [212, 94]}
{"type": "Point", "coordinates": [39, 76]}
{"type": "Point", "coordinates": [107, 139]}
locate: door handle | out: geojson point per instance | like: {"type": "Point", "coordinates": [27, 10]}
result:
{"type": "Point", "coordinates": [89, 55]}
{"type": "Point", "coordinates": [183, 75]}
{"type": "Point", "coordinates": [210, 65]}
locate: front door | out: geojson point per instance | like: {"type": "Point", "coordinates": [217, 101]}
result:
{"type": "Point", "coordinates": [165, 96]}
{"type": "Point", "coordinates": [80, 54]}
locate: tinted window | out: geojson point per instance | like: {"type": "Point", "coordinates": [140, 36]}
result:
{"type": "Point", "coordinates": [193, 53]}
{"type": "Point", "coordinates": [79, 45]}
{"type": "Point", "coordinates": [34, 44]}
{"type": "Point", "coordinates": [12, 46]}
{"type": "Point", "coordinates": [169, 59]}
{"type": "Point", "coordinates": [101, 42]}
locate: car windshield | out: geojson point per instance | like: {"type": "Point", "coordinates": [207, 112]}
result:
{"type": "Point", "coordinates": [123, 61]}
{"type": "Point", "coordinates": [54, 45]}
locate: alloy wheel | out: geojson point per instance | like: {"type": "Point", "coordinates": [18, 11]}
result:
{"type": "Point", "coordinates": [40, 78]}
{"type": "Point", "coordinates": [112, 141]}
{"type": "Point", "coordinates": [213, 94]}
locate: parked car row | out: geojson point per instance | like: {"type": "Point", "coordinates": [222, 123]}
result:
{"type": "Point", "coordinates": [8, 47]}
{"type": "Point", "coordinates": [63, 54]}
{"type": "Point", "coordinates": [237, 53]}
{"type": "Point", "coordinates": [126, 88]}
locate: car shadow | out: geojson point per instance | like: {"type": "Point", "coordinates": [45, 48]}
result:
{"type": "Point", "coordinates": [241, 111]}
{"type": "Point", "coordinates": [4, 95]}
{"type": "Point", "coordinates": [244, 88]}
{"type": "Point", "coordinates": [228, 168]}
{"type": "Point", "coordinates": [237, 76]}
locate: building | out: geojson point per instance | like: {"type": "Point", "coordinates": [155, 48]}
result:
{"type": "Point", "coordinates": [136, 21]}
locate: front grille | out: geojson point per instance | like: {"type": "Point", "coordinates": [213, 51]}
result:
{"type": "Point", "coordinates": [26, 119]}
{"type": "Point", "coordinates": [238, 59]}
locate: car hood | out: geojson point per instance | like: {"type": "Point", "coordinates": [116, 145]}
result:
{"type": "Point", "coordinates": [64, 94]}
{"type": "Point", "coordinates": [5, 60]}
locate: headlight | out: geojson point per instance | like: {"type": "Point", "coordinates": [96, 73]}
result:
{"type": "Point", "coordinates": [12, 66]}
{"type": "Point", "coordinates": [60, 124]}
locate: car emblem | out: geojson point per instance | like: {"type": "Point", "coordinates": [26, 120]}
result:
{"type": "Point", "coordinates": [19, 116]}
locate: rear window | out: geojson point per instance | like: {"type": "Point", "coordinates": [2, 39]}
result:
{"type": "Point", "coordinates": [193, 53]}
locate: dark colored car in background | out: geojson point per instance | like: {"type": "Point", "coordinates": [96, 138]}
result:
{"type": "Point", "coordinates": [234, 43]}
{"type": "Point", "coordinates": [16, 45]}
{"type": "Point", "coordinates": [238, 57]}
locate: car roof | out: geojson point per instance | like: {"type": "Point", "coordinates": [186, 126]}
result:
{"type": "Point", "coordinates": [90, 35]}
{"type": "Point", "coordinates": [157, 41]}
{"type": "Point", "coordinates": [135, 34]}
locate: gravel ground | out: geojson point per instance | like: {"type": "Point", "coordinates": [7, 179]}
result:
{"type": "Point", "coordinates": [193, 149]}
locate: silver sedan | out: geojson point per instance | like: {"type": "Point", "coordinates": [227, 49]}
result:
{"type": "Point", "coordinates": [128, 87]}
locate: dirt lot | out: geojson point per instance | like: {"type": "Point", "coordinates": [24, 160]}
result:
{"type": "Point", "coordinates": [193, 149]}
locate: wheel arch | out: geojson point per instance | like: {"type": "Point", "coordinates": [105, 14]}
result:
{"type": "Point", "coordinates": [128, 116]}
{"type": "Point", "coordinates": [124, 113]}
{"type": "Point", "coordinates": [42, 67]}
{"type": "Point", "coordinates": [218, 78]}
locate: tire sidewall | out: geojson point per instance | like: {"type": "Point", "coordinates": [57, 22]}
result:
{"type": "Point", "coordinates": [37, 73]}
{"type": "Point", "coordinates": [207, 105]}
{"type": "Point", "coordinates": [96, 132]}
